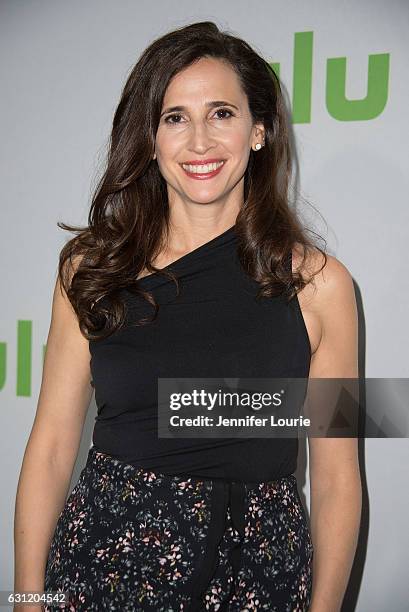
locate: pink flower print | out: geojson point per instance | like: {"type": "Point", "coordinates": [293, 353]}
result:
{"type": "Point", "coordinates": [57, 558]}
{"type": "Point", "coordinates": [252, 601]}
{"type": "Point", "coordinates": [103, 482]}
{"type": "Point", "coordinates": [175, 554]}
{"type": "Point", "coordinates": [185, 485]}
{"type": "Point", "coordinates": [172, 558]}
{"type": "Point", "coordinates": [286, 498]}
{"type": "Point", "coordinates": [249, 531]}
{"type": "Point", "coordinates": [102, 553]}
{"type": "Point", "coordinates": [146, 590]}
{"type": "Point", "coordinates": [152, 537]}
{"type": "Point", "coordinates": [112, 579]}
{"type": "Point", "coordinates": [199, 509]}
{"type": "Point", "coordinates": [265, 548]}
{"type": "Point", "coordinates": [268, 490]}
{"type": "Point", "coordinates": [302, 587]}
{"type": "Point", "coordinates": [214, 598]}
{"type": "Point", "coordinates": [291, 538]}
{"type": "Point", "coordinates": [128, 491]}
{"type": "Point", "coordinates": [148, 476]}
{"type": "Point", "coordinates": [80, 519]}
{"type": "Point", "coordinates": [125, 543]}
{"type": "Point", "coordinates": [255, 509]}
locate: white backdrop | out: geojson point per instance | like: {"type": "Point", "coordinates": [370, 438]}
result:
{"type": "Point", "coordinates": [62, 70]}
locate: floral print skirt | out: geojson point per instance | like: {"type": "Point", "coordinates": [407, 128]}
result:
{"type": "Point", "coordinates": [131, 539]}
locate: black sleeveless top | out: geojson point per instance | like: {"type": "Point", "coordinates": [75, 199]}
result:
{"type": "Point", "coordinates": [214, 328]}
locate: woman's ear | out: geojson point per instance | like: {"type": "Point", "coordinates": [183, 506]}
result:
{"type": "Point", "coordinates": [259, 135]}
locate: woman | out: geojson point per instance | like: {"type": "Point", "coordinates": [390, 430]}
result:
{"type": "Point", "coordinates": [193, 265]}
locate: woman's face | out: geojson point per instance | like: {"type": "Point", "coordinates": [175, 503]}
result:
{"type": "Point", "coordinates": [201, 130]}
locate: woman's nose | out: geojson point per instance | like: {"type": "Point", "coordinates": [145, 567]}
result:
{"type": "Point", "coordinates": [200, 136]}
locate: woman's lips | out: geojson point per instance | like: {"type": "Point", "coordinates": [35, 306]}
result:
{"type": "Point", "coordinates": [200, 176]}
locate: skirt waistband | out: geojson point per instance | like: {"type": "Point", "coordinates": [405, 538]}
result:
{"type": "Point", "coordinates": [99, 460]}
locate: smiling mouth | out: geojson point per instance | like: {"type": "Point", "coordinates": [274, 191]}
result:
{"type": "Point", "coordinates": [203, 170]}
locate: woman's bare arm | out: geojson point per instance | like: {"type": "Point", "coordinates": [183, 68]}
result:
{"type": "Point", "coordinates": [336, 496]}
{"type": "Point", "coordinates": [53, 444]}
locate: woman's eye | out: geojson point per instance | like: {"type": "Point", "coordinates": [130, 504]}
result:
{"type": "Point", "coordinates": [167, 119]}
{"type": "Point", "coordinates": [220, 110]}
{"type": "Point", "coordinates": [224, 110]}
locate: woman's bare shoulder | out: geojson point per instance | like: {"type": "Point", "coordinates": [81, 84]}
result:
{"type": "Point", "coordinates": [326, 272]}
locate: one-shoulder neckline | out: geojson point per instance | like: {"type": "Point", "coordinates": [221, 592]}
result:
{"type": "Point", "coordinates": [191, 254]}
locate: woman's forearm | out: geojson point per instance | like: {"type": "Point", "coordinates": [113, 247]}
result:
{"type": "Point", "coordinates": [41, 494]}
{"type": "Point", "coordinates": [335, 521]}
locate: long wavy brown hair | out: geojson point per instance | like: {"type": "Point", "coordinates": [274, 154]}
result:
{"type": "Point", "coordinates": [129, 213]}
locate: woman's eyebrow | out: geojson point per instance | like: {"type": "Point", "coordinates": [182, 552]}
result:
{"type": "Point", "coordinates": [211, 104]}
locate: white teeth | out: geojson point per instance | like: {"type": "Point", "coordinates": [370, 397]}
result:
{"type": "Point", "coordinates": [200, 169]}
